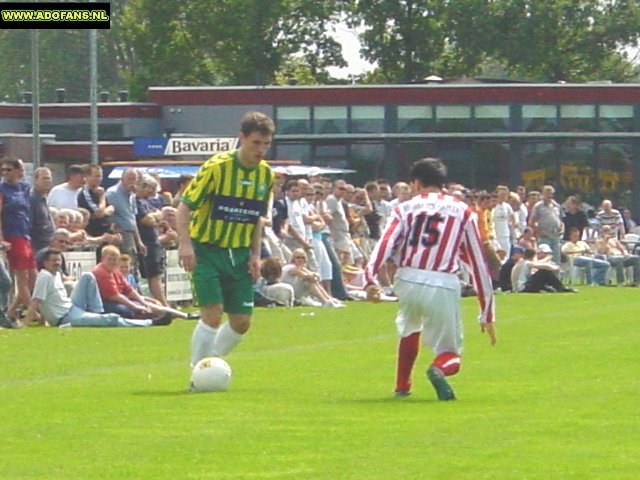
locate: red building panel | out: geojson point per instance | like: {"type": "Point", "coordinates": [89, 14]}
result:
{"type": "Point", "coordinates": [408, 94]}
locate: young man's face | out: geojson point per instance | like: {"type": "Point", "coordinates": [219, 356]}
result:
{"type": "Point", "coordinates": [254, 147]}
{"type": "Point", "coordinates": [77, 180]}
{"type": "Point", "coordinates": [94, 179]}
{"type": "Point", "coordinates": [294, 193]}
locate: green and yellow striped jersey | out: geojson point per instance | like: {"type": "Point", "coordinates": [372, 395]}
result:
{"type": "Point", "coordinates": [227, 200]}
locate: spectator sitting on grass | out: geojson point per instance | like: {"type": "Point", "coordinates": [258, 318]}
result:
{"type": "Point", "coordinates": [305, 282]}
{"type": "Point", "coordinates": [271, 284]}
{"type": "Point", "coordinates": [537, 273]}
{"type": "Point", "coordinates": [51, 303]}
{"type": "Point", "coordinates": [118, 296]}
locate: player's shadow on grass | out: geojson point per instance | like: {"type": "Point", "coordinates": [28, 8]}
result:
{"type": "Point", "coordinates": [387, 400]}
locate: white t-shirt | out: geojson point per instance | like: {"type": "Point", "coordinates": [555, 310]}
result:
{"type": "Point", "coordinates": [294, 210]}
{"type": "Point", "coordinates": [50, 290]}
{"type": "Point", "coordinates": [502, 215]}
{"type": "Point", "coordinates": [61, 196]}
{"type": "Point", "coordinates": [339, 225]}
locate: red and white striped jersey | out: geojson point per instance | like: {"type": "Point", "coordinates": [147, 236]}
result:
{"type": "Point", "coordinates": [435, 232]}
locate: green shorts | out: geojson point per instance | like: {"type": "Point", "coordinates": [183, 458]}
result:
{"type": "Point", "coordinates": [221, 276]}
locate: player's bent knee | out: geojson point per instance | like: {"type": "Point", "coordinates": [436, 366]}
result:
{"type": "Point", "coordinates": [240, 323]}
{"type": "Point", "coordinates": [211, 314]}
{"type": "Point", "coordinates": [448, 363]}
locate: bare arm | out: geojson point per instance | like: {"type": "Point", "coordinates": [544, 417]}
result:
{"type": "Point", "coordinates": [32, 313]}
{"type": "Point", "coordinates": [254, 258]}
{"type": "Point", "coordinates": [185, 248]}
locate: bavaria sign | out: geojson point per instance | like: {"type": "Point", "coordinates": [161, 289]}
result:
{"type": "Point", "coordinates": [176, 146]}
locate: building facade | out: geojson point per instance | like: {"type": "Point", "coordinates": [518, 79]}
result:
{"type": "Point", "coordinates": [583, 139]}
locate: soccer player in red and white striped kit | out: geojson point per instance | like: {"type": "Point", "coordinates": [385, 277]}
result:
{"type": "Point", "coordinates": [427, 237]}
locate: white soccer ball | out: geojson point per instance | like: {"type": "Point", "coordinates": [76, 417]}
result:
{"type": "Point", "coordinates": [211, 374]}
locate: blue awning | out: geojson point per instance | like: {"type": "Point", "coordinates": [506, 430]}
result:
{"type": "Point", "coordinates": [174, 171]}
{"type": "Point", "coordinates": [163, 171]}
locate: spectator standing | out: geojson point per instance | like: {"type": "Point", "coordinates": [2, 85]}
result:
{"type": "Point", "coordinates": [148, 218]}
{"type": "Point", "coordinates": [65, 195]}
{"type": "Point", "coordinates": [219, 234]}
{"type": "Point", "coordinates": [629, 222]}
{"type": "Point", "coordinates": [503, 219]}
{"type": "Point", "coordinates": [314, 224]}
{"type": "Point", "coordinates": [92, 197]}
{"type": "Point", "coordinates": [14, 232]}
{"type": "Point", "coordinates": [546, 221]}
{"type": "Point", "coordinates": [339, 225]}
{"type": "Point", "coordinates": [123, 198]}
{"type": "Point", "coordinates": [297, 236]}
{"type": "Point", "coordinates": [533, 197]}
{"type": "Point", "coordinates": [574, 217]}
{"type": "Point", "coordinates": [42, 226]}
{"type": "Point", "coordinates": [430, 235]}
{"type": "Point", "coordinates": [609, 216]}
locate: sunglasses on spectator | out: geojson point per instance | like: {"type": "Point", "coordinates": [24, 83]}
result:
{"type": "Point", "coordinates": [299, 257]}
{"type": "Point", "coordinates": [4, 169]}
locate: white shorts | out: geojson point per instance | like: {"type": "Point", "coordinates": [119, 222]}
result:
{"type": "Point", "coordinates": [322, 257]}
{"type": "Point", "coordinates": [430, 303]}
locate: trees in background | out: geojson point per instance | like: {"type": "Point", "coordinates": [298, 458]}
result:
{"type": "Point", "coordinates": [249, 42]}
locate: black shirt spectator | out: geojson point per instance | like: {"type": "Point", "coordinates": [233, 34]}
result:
{"type": "Point", "coordinates": [279, 215]}
{"type": "Point", "coordinates": [90, 200]}
{"type": "Point", "coordinates": [574, 217]}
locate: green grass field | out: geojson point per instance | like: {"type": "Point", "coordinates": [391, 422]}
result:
{"type": "Point", "coordinates": [556, 398]}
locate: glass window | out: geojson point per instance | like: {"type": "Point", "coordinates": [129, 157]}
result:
{"type": "Point", "coordinates": [331, 155]}
{"type": "Point", "coordinates": [404, 156]}
{"type": "Point", "coordinates": [293, 120]}
{"type": "Point", "coordinates": [453, 118]}
{"type": "Point", "coordinates": [491, 164]}
{"type": "Point", "coordinates": [615, 118]}
{"type": "Point", "coordinates": [367, 119]}
{"type": "Point", "coordinates": [538, 165]}
{"type": "Point", "coordinates": [539, 118]}
{"type": "Point", "coordinates": [457, 155]}
{"type": "Point", "coordinates": [367, 159]}
{"type": "Point", "coordinates": [82, 132]}
{"type": "Point", "coordinates": [330, 120]}
{"type": "Point", "coordinates": [615, 173]}
{"type": "Point", "coordinates": [492, 118]}
{"type": "Point", "coordinates": [294, 151]}
{"type": "Point", "coordinates": [577, 118]}
{"type": "Point", "coordinates": [577, 175]}
{"type": "Point", "coordinates": [415, 118]}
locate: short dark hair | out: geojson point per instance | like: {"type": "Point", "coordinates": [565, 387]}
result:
{"type": "Point", "coordinates": [290, 184]}
{"type": "Point", "coordinates": [48, 251]}
{"type": "Point", "coordinates": [14, 162]}
{"type": "Point", "coordinates": [75, 169]}
{"type": "Point", "coordinates": [257, 122]}
{"type": "Point", "coordinates": [430, 172]}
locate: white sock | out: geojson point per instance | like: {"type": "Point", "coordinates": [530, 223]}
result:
{"type": "Point", "coordinates": [202, 342]}
{"type": "Point", "coordinates": [226, 340]}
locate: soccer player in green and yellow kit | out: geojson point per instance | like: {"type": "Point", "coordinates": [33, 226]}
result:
{"type": "Point", "coordinates": [219, 234]}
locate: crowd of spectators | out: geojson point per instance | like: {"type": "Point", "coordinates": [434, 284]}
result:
{"type": "Point", "coordinates": [40, 220]}
{"type": "Point", "coordinates": [317, 237]}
